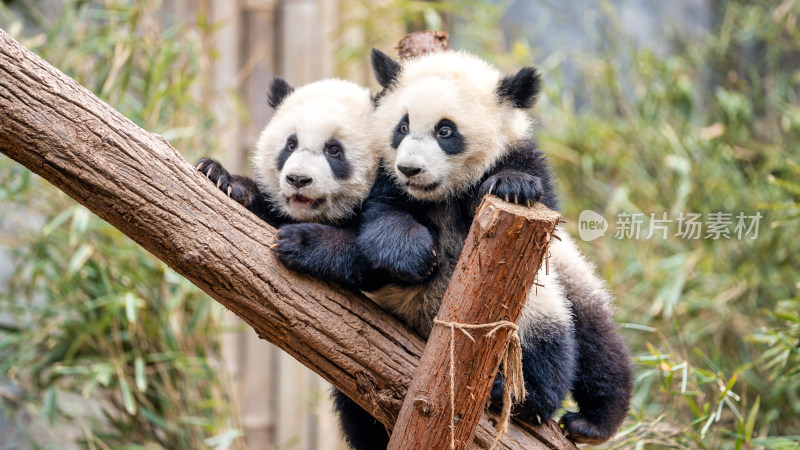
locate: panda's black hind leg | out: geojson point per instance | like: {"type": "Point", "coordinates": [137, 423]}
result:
{"type": "Point", "coordinates": [359, 428]}
{"type": "Point", "coordinates": [548, 368]}
{"type": "Point", "coordinates": [579, 429]}
{"type": "Point", "coordinates": [603, 383]}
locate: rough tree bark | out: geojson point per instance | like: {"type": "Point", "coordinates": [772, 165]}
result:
{"type": "Point", "coordinates": [141, 185]}
{"type": "Point", "coordinates": [487, 287]}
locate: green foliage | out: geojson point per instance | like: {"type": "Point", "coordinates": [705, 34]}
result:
{"type": "Point", "coordinates": [712, 126]}
{"type": "Point", "coordinates": [473, 24]}
{"type": "Point", "coordinates": [101, 336]}
{"type": "Point", "coordinates": [702, 130]}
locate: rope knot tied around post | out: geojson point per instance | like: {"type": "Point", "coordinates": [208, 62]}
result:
{"type": "Point", "coordinates": [514, 391]}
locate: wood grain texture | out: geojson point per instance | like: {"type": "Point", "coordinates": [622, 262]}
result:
{"type": "Point", "coordinates": [502, 254]}
{"type": "Point", "coordinates": [141, 185]}
{"type": "Point", "coordinates": [421, 43]}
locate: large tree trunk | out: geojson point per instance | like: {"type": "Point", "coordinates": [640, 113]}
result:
{"type": "Point", "coordinates": [138, 183]}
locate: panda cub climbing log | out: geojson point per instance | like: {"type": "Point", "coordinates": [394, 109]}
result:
{"type": "Point", "coordinates": [453, 129]}
{"type": "Point", "coordinates": [312, 163]}
{"type": "Point", "coordinates": [315, 162]}
{"type": "Point", "coordinates": [453, 92]}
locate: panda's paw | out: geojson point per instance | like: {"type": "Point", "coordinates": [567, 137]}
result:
{"type": "Point", "coordinates": [294, 246]}
{"type": "Point", "coordinates": [515, 187]}
{"type": "Point", "coordinates": [580, 430]}
{"type": "Point", "coordinates": [241, 189]}
{"type": "Point", "coordinates": [408, 251]}
{"type": "Point", "coordinates": [214, 171]}
{"type": "Point", "coordinates": [417, 264]}
{"type": "Point", "coordinates": [412, 260]}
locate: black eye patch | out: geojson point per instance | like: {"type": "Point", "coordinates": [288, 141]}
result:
{"type": "Point", "coordinates": [286, 151]}
{"type": "Point", "coordinates": [451, 143]}
{"type": "Point", "coordinates": [334, 153]}
{"type": "Point", "coordinates": [400, 132]}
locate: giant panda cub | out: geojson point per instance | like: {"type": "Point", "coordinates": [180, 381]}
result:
{"type": "Point", "coordinates": [459, 129]}
{"type": "Point", "coordinates": [313, 161]}
{"type": "Point", "coordinates": [314, 166]}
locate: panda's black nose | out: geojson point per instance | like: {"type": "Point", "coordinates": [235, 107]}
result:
{"type": "Point", "coordinates": [409, 171]}
{"type": "Point", "coordinates": [298, 181]}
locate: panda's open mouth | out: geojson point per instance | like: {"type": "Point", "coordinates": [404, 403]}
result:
{"type": "Point", "coordinates": [423, 187]}
{"type": "Point", "coordinates": [301, 200]}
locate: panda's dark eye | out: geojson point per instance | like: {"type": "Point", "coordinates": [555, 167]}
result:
{"type": "Point", "coordinates": [334, 150]}
{"type": "Point", "coordinates": [445, 132]}
{"type": "Point", "coordinates": [291, 143]}
{"type": "Point", "coordinates": [404, 128]}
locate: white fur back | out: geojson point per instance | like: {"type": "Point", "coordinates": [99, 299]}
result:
{"type": "Point", "coordinates": [547, 311]}
{"type": "Point", "coordinates": [578, 273]}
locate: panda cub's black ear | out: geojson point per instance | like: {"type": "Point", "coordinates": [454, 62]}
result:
{"type": "Point", "coordinates": [386, 69]}
{"type": "Point", "coordinates": [279, 89]}
{"type": "Point", "coordinates": [521, 90]}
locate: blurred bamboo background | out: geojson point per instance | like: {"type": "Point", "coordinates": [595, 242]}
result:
{"type": "Point", "coordinates": [649, 106]}
{"type": "Point", "coordinates": [280, 403]}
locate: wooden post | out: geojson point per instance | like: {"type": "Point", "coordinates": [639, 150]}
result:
{"type": "Point", "coordinates": [421, 43]}
{"type": "Point", "coordinates": [502, 254]}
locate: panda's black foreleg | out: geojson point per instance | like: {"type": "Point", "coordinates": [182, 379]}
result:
{"type": "Point", "coordinates": [548, 368]}
{"type": "Point", "coordinates": [322, 251]}
{"type": "Point", "coordinates": [359, 428]}
{"type": "Point", "coordinates": [394, 241]}
{"type": "Point", "coordinates": [603, 383]}
{"type": "Point", "coordinates": [242, 189]}
{"type": "Point", "coordinates": [522, 176]}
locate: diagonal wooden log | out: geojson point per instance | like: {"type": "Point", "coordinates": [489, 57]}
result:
{"type": "Point", "coordinates": [141, 185]}
{"type": "Point", "coordinates": [502, 254]}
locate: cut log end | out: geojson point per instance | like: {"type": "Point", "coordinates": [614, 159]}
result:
{"type": "Point", "coordinates": [421, 43]}
{"type": "Point", "coordinates": [536, 211]}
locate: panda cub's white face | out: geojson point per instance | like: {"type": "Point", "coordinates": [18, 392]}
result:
{"type": "Point", "coordinates": [448, 124]}
{"type": "Point", "coordinates": [315, 158]}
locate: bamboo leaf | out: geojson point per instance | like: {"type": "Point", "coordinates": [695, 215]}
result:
{"type": "Point", "coordinates": [127, 396]}
{"type": "Point", "coordinates": [751, 420]}
{"type": "Point", "coordinates": [141, 377]}
{"type": "Point", "coordinates": [49, 407]}
{"type": "Point", "coordinates": [79, 258]}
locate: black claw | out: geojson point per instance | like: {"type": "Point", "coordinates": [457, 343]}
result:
{"type": "Point", "coordinates": [242, 189]}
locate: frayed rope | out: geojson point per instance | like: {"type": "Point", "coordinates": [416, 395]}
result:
{"type": "Point", "coordinates": [514, 391]}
